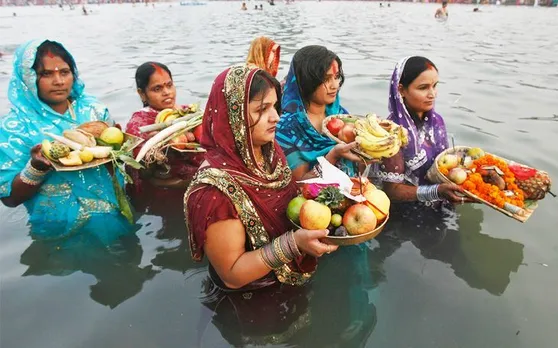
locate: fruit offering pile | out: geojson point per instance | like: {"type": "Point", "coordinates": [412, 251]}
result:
{"type": "Point", "coordinates": [323, 206]}
{"type": "Point", "coordinates": [493, 179]}
{"type": "Point", "coordinates": [91, 140]}
{"type": "Point", "coordinates": [183, 140]}
{"type": "Point", "coordinates": [376, 138]}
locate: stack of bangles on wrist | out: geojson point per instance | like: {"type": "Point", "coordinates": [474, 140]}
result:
{"type": "Point", "coordinates": [280, 251]}
{"type": "Point", "coordinates": [32, 176]}
{"type": "Point", "coordinates": [317, 170]}
{"type": "Point", "coordinates": [428, 193]}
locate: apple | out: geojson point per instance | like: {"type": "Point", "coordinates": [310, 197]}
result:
{"type": "Point", "coordinates": [457, 175]}
{"type": "Point", "coordinates": [475, 153]}
{"type": "Point", "coordinates": [379, 202]}
{"type": "Point", "coordinates": [347, 133]}
{"type": "Point", "coordinates": [336, 220]}
{"type": "Point", "coordinates": [448, 161]}
{"type": "Point", "coordinates": [314, 215]}
{"type": "Point", "coordinates": [335, 125]}
{"type": "Point", "coordinates": [198, 131]}
{"type": "Point", "coordinates": [179, 142]}
{"type": "Point", "coordinates": [293, 208]}
{"type": "Point", "coordinates": [359, 219]}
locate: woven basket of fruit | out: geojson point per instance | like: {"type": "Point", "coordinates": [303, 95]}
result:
{"type": "Point", "coordinates": [510, 188]}
{"type": "Point", "coordinates": [323, 206]}
{"type": "Point", "coordinates": [376, 139]}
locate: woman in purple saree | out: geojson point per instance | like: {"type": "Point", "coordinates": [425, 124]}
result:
{"type": "Point", "coordinates": [411, 105]}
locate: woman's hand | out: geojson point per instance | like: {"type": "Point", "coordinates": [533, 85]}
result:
{"type": "Point", "coordinates": [454, 193]}
{"type": "Point", "coordinates": [342, 151]}
{"type": "Point", "coordinates": [308, 241]}
{"type": "Point", "coordinates": [38, 161]}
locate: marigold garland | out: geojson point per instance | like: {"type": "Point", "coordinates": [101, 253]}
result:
{"type": "Point", "coordinates": [491, 193]}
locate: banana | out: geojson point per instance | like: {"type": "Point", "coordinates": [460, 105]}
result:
{"type": "Point", "coordinates": [163, 114]}
{"type": "Point", "coordinates": [385, 154]}
{"type": "Point", "coordinates": [369, 142]}
{"type": "Point", "coordinates": [404, 136]}
{"type": "Point", "coordinates": [373, 126]}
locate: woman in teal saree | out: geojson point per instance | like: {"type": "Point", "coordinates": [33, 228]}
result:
{"type": "Point", "coordinates": [310, 94]}
{"type": "Point", "coordinates": [47, 95]}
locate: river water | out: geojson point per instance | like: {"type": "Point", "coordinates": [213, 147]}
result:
{"type": "Point", "coordinates": [475, 279]}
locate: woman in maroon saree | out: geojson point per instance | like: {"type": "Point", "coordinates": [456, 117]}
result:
{"type": "Point", "coordinates": [159, 183]}
{"type": "Point", "coordinates": [157, 92]}
{"type": "Point", "coordinates": [235, 210]}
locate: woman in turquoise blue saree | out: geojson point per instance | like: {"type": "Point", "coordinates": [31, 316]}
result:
{"type": "Point", "coordinates": [46, 94]}
{"type": "Point", "coordinates": [310, 94]}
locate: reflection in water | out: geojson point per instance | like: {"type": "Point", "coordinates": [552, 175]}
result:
{"type": "Point", "coordinates": [343, 310]}
{"type": "Point", "coordinates": [116, 269]}
{"type": "Point", "coordinates": [482, 261]}
{"type": "Point", "coordinates": [340, 298]}
{"type": "Point", "coordinates": [168, 204]}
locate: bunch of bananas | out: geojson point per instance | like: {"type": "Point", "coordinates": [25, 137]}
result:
{"type": "Point", "coordinates": [172, 114]}
{"type": "Point", "coordinates": [380, 139]}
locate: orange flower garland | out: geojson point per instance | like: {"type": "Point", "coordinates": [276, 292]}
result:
{"type": "Point", "coordinates": [491, 193]}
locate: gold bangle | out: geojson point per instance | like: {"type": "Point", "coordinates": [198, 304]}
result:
{"type": "Point", "coordinates": [279, 251]}
{"type": "Point", "coordinates": [261, 253]}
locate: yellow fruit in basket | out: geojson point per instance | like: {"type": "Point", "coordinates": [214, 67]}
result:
{"type": "Point", "coordinates": [86, 156]}
{"type": "Point", "coordinates": [314, 215]}
{"type": "Point", "coordinates": [379, 202]}
{"type": "Point", "coordinates": [71, 160]}
{"type": "Point", "coordinates": [113, 136]}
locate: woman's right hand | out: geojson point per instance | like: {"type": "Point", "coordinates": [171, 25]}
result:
{"type": "Point", "coordinates": [453, 193]}
{"type": "Point", "coordinates": [343, 150]}
{"type": "Point", "coordinates": [38, 160]}
{"type": "Point", "coordinates": [308, 241]}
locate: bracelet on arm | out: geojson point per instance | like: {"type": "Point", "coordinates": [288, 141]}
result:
{"type": "Point", "coordinates": [280, 251]}
{"type": "Point", "coordinates": [32, 176]}
{"type": "Point", "coordinates": [428, 193]}
{"type": "Point", "coordinates": [317, 170]}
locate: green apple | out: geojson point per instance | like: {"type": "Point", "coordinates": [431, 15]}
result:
{"type": "Point", "coordinates": [448, 161]}
{"type": "Point", "coordinates": [293, 209]}
{"type": "Point", "coordinates": [336, 220]}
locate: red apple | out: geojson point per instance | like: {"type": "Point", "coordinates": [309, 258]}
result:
{"type": "Point", "coordinates": [198, 131]}
{"type": "Point", "coordinates": [335, 125]}
{"type": "Point", "coordinates": [347, 133]}
{"type": "Point", "coordinates": [359, 219]}
{"type": "Point", "coordinates": [314, 215]}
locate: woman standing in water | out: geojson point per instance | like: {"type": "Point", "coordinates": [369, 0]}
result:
{"type": "Point", "coordinates": [265, 54]}
{"type": "Point", "coordinates": [235, 207]}
{"type": "Point", "coordinates": [47, 95]}
{"type": "Point", "coordinates": [235, 211]}
{"type": "Point", "coordinates": [413, 90]}
{"type": "Point", "coordinates": [157, 91]}
{"type": "Point", "coordinates": [311, 93]}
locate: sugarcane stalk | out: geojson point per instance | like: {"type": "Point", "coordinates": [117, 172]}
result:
{"type": "Point", "coordinates": [166, 124]}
